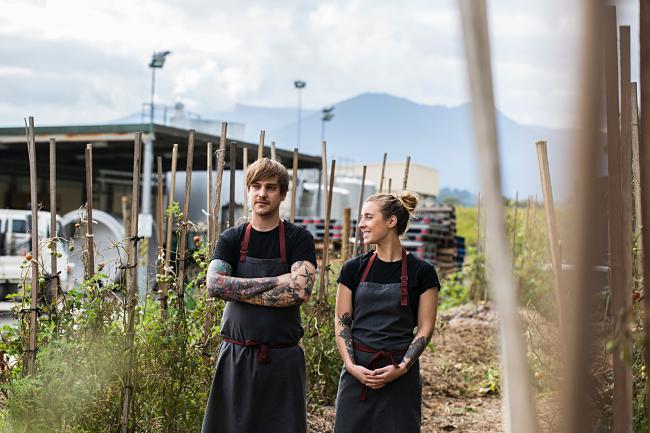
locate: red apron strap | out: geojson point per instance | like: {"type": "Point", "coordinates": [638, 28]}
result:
{"type": "Point", "coordinates": [243, 251]}
{"type": "Point", "coordinates": [405, 279]}
{"type": "Point", "coordinates": [368, 266]}
{"type": "Point", "coordinates": [283, 248]}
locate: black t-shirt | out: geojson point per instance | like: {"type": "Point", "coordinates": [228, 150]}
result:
{"type": "Point", "coordinates": [421, 274]}
{"type": "Point", "coordinates": [266, 245]}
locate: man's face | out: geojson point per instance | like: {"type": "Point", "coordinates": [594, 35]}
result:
{"type": "Point", "coordinates": [265, 197]}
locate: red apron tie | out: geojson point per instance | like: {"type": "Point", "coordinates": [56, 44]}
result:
{"type": "Point", "coordinates": [243, 251]}
{"type": "Point", "coordinates": [403, 280]}
{"type": "Point", "coordinates": [262, 348]}
{"type": "Point", "coordinates": [377, 356]}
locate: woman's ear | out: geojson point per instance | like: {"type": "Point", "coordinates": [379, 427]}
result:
{"type": "Point", "coordinates": [392, 221]}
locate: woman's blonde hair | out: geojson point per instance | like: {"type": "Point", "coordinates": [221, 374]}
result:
{"type": "Point", "coordinates": [266, 168]}
{"type": "Point", "coordinates": [399, 204]}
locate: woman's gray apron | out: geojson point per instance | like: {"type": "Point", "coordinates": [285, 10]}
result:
{"type": "Point", "coordinates": [382, 332]}
{"type": "Point", "coordinates": [259, 381]}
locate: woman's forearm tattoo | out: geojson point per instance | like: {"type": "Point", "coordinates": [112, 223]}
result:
{"type": "Point", "coordinates": [415, 350]}
{"type": "Point", "coordinates": [345, 322]}
{"type": "Point", "coordinates": [221, 285]}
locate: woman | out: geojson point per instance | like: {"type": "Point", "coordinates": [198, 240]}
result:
{"type": "Point", "coordinates": [382, 297]}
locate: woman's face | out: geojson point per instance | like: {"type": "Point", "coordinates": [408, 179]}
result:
{"type": "Point", "coordinates": [374, 227]}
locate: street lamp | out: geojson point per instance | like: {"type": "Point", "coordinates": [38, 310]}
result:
{"type": "Point", "coordinates": [299, 84]}
{"type": "Point", "coordinates": [327, 116]}
{"type": "Point", "coordinates": [157, 62]}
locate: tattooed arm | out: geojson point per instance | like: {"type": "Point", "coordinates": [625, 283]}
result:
{"type": "Point", "coordinates": [294, 288]}
{"type": "Point", "coordinates": [222, 285]}
{"type": "Point", "coordinates": [426, 321]}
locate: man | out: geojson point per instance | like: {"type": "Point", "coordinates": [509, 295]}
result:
{"type": "Point", "coordinates": [264, 270]}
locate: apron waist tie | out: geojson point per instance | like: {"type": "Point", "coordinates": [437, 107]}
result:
{"type": "Point", "coordinates": [262, 348]}
{"type": "Point", "coordinates": [377, 356]}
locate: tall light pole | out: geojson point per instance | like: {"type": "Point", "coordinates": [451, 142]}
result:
{"type": "Point", "coordinates": [327, 116]}
{"type": "Point", "coordinates": [299, 84]}
{"type": "Point", "coordinates": [157, 62]}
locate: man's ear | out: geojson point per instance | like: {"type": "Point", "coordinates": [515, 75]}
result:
{"type": "Point", "coordinates": [284, 195]}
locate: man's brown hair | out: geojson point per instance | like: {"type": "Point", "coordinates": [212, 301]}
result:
{"type": "Point", "coordinates": [266, 168]}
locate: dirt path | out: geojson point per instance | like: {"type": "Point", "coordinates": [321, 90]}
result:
{"type": "Point", "coordinates": [460, 376]}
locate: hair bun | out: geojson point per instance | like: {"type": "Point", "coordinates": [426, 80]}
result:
{"type": "Point", "coordinates": [408, 199]}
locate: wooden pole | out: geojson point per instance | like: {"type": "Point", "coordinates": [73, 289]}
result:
{"type": "Point", "coordinates": [217, 202]}
{"type": "Point", "coordinates": [33, 323]}
{"type": "Point", "coordinates": [514, 229]}
{"type": "Point", "coordinates": [54, 282]}
{"type": "Point", "coordinates": [274, 155]}
{"type": "Point", "coordinates": [182, 232]}
{"type": "Point", "coordinates": [90, 241]}
{"type": "Point", "coordinates": [345, 236]}
{"type": "Point", "coordinates": [131, 300]}
{"type": "Point", "coordinates": [170, 231]}
{"type": "Point", "coordinates": [636, 180]}
{"type": "Point", "coordinates": [233, 173]}
{"type": "Point", "coordinates": [551, 225]}
{"type": "Point", "coordinates": [210, 203]}
{"type": "Point", "coordinates": [519, 412]}
{"type": "Point", "coordinates": [324, 165]}
{"type": "Point", "coordinates": [618, 285]}
{"type": "Point", "coordinates": [390, 185]}
{"type": "Point", "coordinates": [160, 224]}
{"type": "Point", "coordinates": [358, 239]}
{"type": "Point", "coordinates": [623, 375]}
{"type": "Point", "coordinates": [245, 172]}
{"type": "Point", "coordinates": [294, 184]}
{"type": "Point", "coordinates": [260, 148]}
{"type": "Point", "coordinates": [406, 173]}
{"type": "Point", "coordinates": [383, 172]}
{"type": "Point", "coordinates": [325, 268]}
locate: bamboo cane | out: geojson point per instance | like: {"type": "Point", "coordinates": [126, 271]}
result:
{"type": "Point", "coordinates": [383, 171]}
{"type": "Point", "coordinates": [233, 174]}
{"type": "Point", "coordinates": [390, 185]}
{"type": "Point", "coordinates": [636, 181]}
{"type": "Point", "coordinates": [217, 201]}
{"type": "Point", "coordinates": [324, 165]}
{"type": "Point", "coordinates": [210, 204]}
{"type": "Point", "coordinates": [406, 173]}
{"type": "Point", "coordinates": [358, 239]}
{"type": "Point", "coordinates": [245, 173]}
{"type": "Point", "coordinates": [274, 155]}
{"type": "Point", "coordinates": [325, 268]}
{"type": "Point", "coordinates": [160, 224]}
{"type": "Point", "coordinates": [90, 240]}
{"type": "Point", "coordinates": [54, 281]}
{"type": "Point", "coordinates": [519, 414]}
{"type": "Point", "coordinates": [182, 232]}
{"type": "Point", "coordinates": [33, 324]}
{"type": "Point", "coordinates": [131, 300]}
{"type": "Point", "coordinates": [168, 242]}
{"type": "Point", "coordinates": [260, 148]}
{"type": "Point", "coordinates": [345, 236]}
{"type": "Point", "coordinates": [294, 184]}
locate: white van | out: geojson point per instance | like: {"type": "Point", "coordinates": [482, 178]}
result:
{"type": "Point", "coordinates": [16, 242]}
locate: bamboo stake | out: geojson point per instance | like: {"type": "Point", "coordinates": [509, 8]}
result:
{"type": "Point", "coordinates": [54, 282]}
{"type": "Point", "coordinates": [622, 304]}
{"type": "Point", "coordinates": [406, 173]}
{"type": "Point", "coordinates": [519, 412]}
{"type": "Point", "coordinates": [583, 237]}
{"type": "Point", "coordinates": [182, 232]}
{"type": "Point", "coordinates": [90, 240]}
{"type": "Point", "coordinates": [358, 239]}
{"type": "Point", "coordinates": [345, 236]}
{"type": "Point", "coordinates": [168, 242]}
{"type": "Point", "coordinates": [33, 324]}
{"type": "Point", "coordinates": [160, 263]}
{"type": "Point", "coordinates": [260, 148]}
{"type": "Point", "coordinates": [245, 172]}
{"type": "Point", "coordinates": [132, 300]}
{"type": "Point", "coordinates": [217, 202]}
{"type": "Point", "coordinates": [233, 173]}
{"type": "Point", "coordinates": [274, 155]}
{"type": "Point", "coordinates": [390, 185]}
{"type": "Point", "coordinates": [551, 224]}
{"type": "Point", "coordinates": [326, 249]}
{"type": "Point", "coordinates": [324, 165]}
{"type": "Point", "coordinates": [383, 171]}
{"type": "Point", "coordinates": [294, 185]}
{"type": "Point", "coordinates": [636, 180]}
{"type": "Point", "coordinates": [210, 203]}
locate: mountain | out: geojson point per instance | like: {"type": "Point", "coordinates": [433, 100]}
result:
{"type": "Point", "coordinates": [367, 125]}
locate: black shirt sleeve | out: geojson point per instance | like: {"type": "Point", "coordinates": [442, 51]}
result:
{"type": "Point", "coordinates": [302, 247]}
{"type": "Point", "coordinates": [228, 247]}
{"type": "Point", "coordinates": [427, 278]}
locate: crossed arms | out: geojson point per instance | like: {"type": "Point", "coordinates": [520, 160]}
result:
{"type": "Point", "coordinates": [285, 290]}
{"type": "Point", "coordinates": [380, 377]}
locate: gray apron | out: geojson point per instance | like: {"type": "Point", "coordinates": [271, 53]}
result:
{"type": "Point", "coordinates": [382, 332]}
{"type": "Point", "coordinates": [259, 380]}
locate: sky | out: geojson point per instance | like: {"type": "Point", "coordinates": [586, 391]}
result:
{"type": "Point", "coordinates": [83, 61]}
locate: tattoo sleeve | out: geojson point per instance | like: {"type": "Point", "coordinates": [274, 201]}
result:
{"type": "Point", "coordinates": [293, 290]}
{"type": "Point", "coordinates": [222, 285]}
{"type": "Point", "coordinates": [415, 350]}
{"type": "Point", "coordinates": [345, 333]}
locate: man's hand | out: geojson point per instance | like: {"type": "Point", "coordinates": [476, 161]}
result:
{"type": "Point", "coordinates": [292, 289]}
